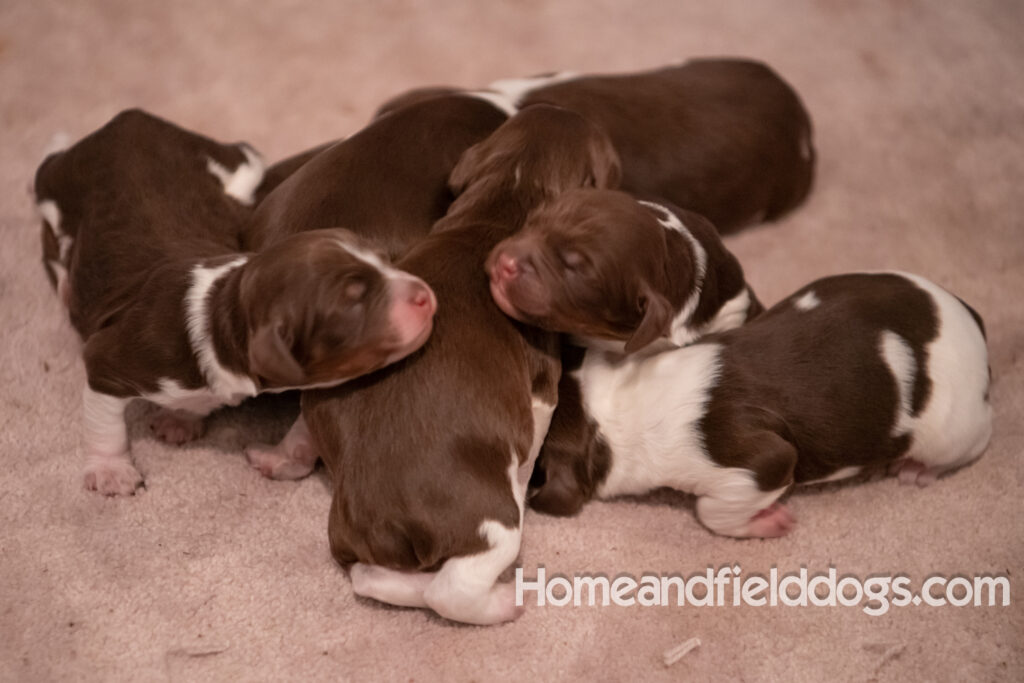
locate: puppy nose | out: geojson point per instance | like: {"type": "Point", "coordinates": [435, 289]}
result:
{"type": "Point", "coordinates": [419, 295]}
{"type": "Point", "coordinates": [508, 267]}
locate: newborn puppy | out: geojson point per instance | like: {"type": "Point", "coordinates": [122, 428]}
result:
{"type": "Point", "coordinates": [607, 268]}
{"type": "Point", "coordinates": [388, 181]}
{"type": "Point", "coordinates": [148, 217]}
{"type": "Point", "coordinates": [430, 458]}
{"type": "Point", "coordinates": [850, 372]}
{"type": "Point", "coordinates": [727, 138]}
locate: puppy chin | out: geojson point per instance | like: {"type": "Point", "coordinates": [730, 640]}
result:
{"type": "Point", "coordinates": [501, 299]}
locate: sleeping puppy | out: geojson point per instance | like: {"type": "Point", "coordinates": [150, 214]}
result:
{"type": "Point", "coordinates": [430, 458]}
{"type": "Point", "coordinates": [882, 370]}
{"type": "Point", "coordinates": [147, 218]}
{"type": "Point", "coordinates": [727, 138]}
{"type": "Point", "coordinates": [607, 269]}
{"type": "Point", "coordinates": [389, 181]}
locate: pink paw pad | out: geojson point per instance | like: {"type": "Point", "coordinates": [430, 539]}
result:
{"type": "Point", "coordinates": [774, 521]}
{"type": "Point", "coordinates": [175, 428]}
{"type": "Point", "coordinates": [913, 472]}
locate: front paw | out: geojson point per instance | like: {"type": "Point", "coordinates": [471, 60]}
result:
{"type": "Point", "coordinates": [112, 477]}
{"type": "Point", "coordinates": [175, 427]}
{"type": "Point", "coordinates": [274, 463]}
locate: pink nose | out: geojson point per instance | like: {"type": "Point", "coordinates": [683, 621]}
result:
{"type": "Point", "coordinates": [508, 268]}
{"type": "Point", "coordinates": [420, 297]}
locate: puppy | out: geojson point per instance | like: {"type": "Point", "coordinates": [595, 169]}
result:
{"type": "Point", "coordinates": [147, 218]}
{"type": "Point", "coordinates": [388, 181]}
{"type": "Point", "coordinates": [727, 138]}
{"type": "Point", "coordinates": [851, 372]}
{"type": "Point", "coordinates": [430, 458]}
{"type": "Point", "coordinates": [607, 269]}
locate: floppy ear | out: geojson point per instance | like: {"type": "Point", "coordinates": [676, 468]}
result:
{"type": "Point", "coordinates": [656, 321]}
{"type": "Point", "coordinates": [607, 167]}
{"type": "Point", "coordinates": [270, 357]}
{"type": "Point", "coordinates": [470, 165]}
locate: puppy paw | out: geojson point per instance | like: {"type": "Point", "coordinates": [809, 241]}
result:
{"type": "Point", "coordinates": [503, 603]}
{"type": "Point", "coordinates": [273, 462]}
{"type": "Point", "coordinates": [774, 521]}
{"type": "Point", "coordinates": [112, 477]}
{"type": "Point", "coordinates": [175, 427]}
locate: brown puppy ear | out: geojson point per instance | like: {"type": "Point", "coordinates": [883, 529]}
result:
{"type": "Point", "coordinates": [270, 357]}
{"type": "Point", "coordinates": [656, 322]}
{"type": "Point", "coordinates": [607, 167]}
{"type": "Point", "coordinates": [470, 165]}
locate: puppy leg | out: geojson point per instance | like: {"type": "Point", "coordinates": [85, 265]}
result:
{"type": "Point", "coordinates": [108, 467]}
{"type": "Point", "coordinates": [176, 426]}
{"type": "Point", "coordinates": [739, 503]}
{"type": "Point", "coordinates": [465, 588]}
{"type": "Point", "coordinates": [404, 589]}
{"type": "Point", "coordinates": [293, 458]}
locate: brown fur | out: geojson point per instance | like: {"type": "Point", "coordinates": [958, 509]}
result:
{"type": "Point", "coordinates": [419, 453]}
{"type": "Point", "coordinates": [388, 181]}
{"type": "Point", "coordinates": [721, 137]}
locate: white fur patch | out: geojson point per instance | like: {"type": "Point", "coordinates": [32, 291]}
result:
{"type": "Point", "coordinates": [199, 402]}
{"type": "Point", "coordinates": [841, 473]}
{"type": "Point", "coordinates": [243, 181]}
{"type": "Point", "coordinates": [229, 388]}
{"type": "Point", "coordinates": [648, 409]}
{"type": "Point", "coordinates": [732, 314]}
{"type": "Point", "coordinates": [515, 89]}
{"type": "Point", "coordinates": [898, 355]}
{"type": "Point", "coordinates": [499, 100]}
{"type": "Point", "coordinates": [808, 301]}
{"type": "Point", "coordinates": [104, 434]}
{"type": "Point", "coordinates": [681, 332]}
{"type": "Point", "coordinates": [955, 423]}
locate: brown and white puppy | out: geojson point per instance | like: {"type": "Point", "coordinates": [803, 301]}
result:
{"type": "Point", "coordinates": [147, 216]}
{"type": "Point", "coordinates": [389, 181]}
{"type": "Point", "coordinates": [607, 269]}
{"type": "Point", "coordinates": [727, 138]}
{"type": "Point", "coordinates": [879, 370]}
{"type": "Point", "coordinates": [430, 457]}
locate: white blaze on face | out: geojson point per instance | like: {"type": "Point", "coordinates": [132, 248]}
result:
{"type": "Point", "coordinates": [411, 325]}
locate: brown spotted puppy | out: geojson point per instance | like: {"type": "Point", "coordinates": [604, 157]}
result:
{"type": "Point", "coordinates": [430, 458]}
{"type": "Point", "coordinates": [606, 268]}
{"type": "Point", "coordinates": [146, 217]}
{"type": "Point", "coordinates": [869, 370]}
{"type": "Point", "coordinates": [727, 138]}
{"type": "Point", "coordinates": [389, 181]}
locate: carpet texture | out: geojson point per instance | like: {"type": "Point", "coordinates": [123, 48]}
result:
{"type": "Point", "coordinates": [214, 573]}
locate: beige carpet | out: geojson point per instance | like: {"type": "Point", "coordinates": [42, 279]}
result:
{"type": "Point", "coordinates": [214, 573]}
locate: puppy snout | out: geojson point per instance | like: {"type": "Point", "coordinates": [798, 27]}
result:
{"type": "Point", "coordinates": [417, 296]}
{"type": "Point", "coordinates": [512, 263]}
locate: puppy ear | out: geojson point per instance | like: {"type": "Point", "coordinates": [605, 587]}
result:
{"type": "Point", "coordinates": [607, 167]}
{"type": "Point", "coordinates": [470, 165]}
{"type": "Point", "coordinates": [657, 319]}
{"type": "Point", "coordinates": [271, 357]}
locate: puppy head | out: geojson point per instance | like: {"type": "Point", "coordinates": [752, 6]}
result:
{"type": "Point", "coordinates": [595, 264]}
{"type": "Point", "coordinates": [322, 307]}
{"type": "Point", "coordinates": [546, 148]}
